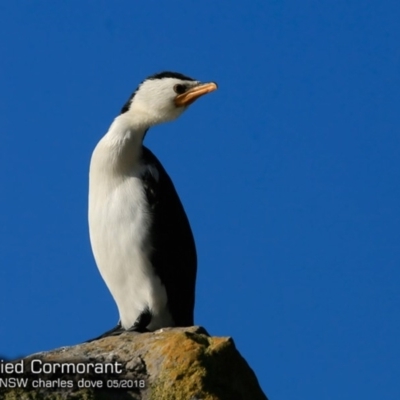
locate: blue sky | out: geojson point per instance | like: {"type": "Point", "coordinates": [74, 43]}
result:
{"type": "Point", "coordinates": [289, 174]}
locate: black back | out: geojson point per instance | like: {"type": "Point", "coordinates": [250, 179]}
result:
{"type": "Point", "coordinates": [174, 253]}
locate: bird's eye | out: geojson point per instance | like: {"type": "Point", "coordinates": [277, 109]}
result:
{"type": "Point", "coordinates": [179, 89]}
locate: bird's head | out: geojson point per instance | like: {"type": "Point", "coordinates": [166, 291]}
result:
{"type": "Point", "coordinates": [163, 97]}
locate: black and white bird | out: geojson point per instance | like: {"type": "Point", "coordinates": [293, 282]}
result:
{"type": "Point", "coordinates": [139, 232]}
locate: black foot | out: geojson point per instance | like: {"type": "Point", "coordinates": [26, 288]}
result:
{"type": "Point", "coordinates": [139, 326]}
{"type": "Point", "coordinates": [112, 332]}
{"type": "Point", "coordinates": [142, 321]}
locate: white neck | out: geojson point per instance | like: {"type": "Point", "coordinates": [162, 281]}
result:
{"type": "Point", "coordinates": [122, 144]}
{"type": "Point", "coordinates": [127, 128]}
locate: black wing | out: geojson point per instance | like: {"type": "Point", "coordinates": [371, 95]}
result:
{"type": "Point", "coordinates": [174, 253]}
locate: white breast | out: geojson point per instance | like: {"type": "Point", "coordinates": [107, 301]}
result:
{"type": "Point", "coordinates": [119, 222]}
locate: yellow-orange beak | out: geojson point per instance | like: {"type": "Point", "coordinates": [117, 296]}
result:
{"type": "Point", "coordinates": [194, 93]}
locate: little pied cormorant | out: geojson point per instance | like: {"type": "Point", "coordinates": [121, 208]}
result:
{"type": "Point", "coordinates": [139, 232]}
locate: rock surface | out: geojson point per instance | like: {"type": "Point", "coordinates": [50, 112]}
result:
{"type": "Point", "coordinates": [173, 363]}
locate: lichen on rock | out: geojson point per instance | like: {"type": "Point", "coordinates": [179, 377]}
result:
{"type": "Point", "coordinates": [169, 364]}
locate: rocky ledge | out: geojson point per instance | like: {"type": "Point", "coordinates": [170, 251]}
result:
{"type": "Point", "coordinates": [173, 363]}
